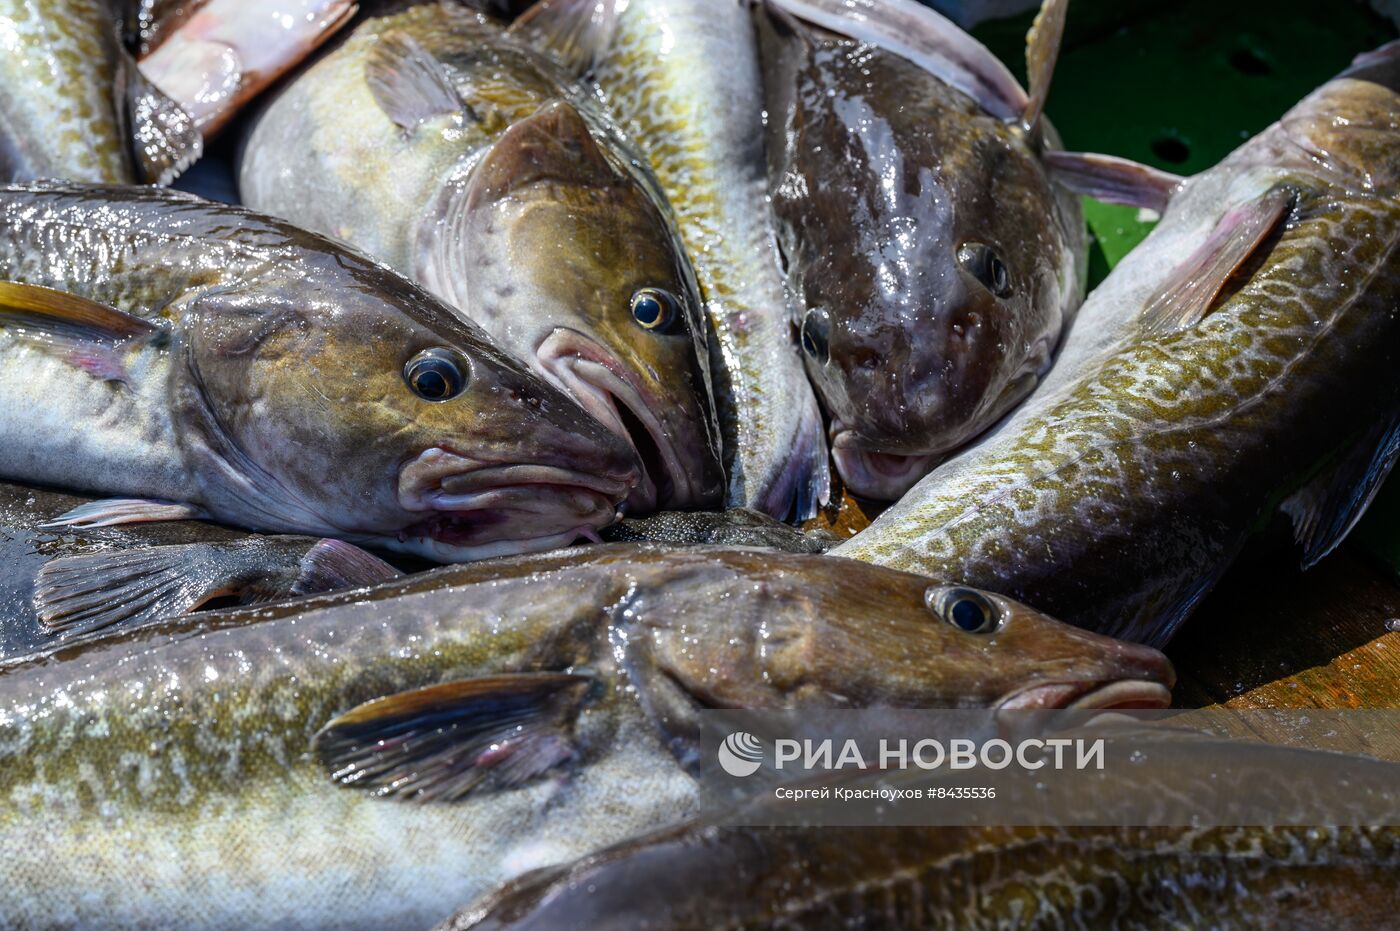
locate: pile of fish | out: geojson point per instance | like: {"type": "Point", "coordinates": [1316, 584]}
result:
{"type": "Point", "coordinates": [372, 536]}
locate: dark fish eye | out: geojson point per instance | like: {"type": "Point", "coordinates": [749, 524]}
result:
{"type": "Point", "coordinates": [986, 266]}
{"type": "Point", "coordinates": [436, 374]}
{"type": "Point", "coordinates": [967, 610]}
{"type": "Point", "coordinates": [655, 309]}
{"type": "Point", "coordinates": [816, 334]}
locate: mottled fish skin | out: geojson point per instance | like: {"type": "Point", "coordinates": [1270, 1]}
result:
{"type": "Point", "coordinates": [169, 770]}
{"type": "Point", "coordinates": [963, 879]}
{"type": "Point", "coordinates": [513, 198]}
{"type": "Point", "coordinates": [683, 77]}
{"type": "Point", "coordinates": [733, 527]}
{"type": "Point", "coordinates": [1121, 491]}
{"type": "Point", "coordinates": [272, 390]}
{"type": "Point", "coordinates": [59, 71]}
{"type": "Point", "coordinates": [934, 263]}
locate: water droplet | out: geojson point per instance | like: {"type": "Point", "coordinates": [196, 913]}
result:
{"type": "Point", "coordinates": [1137, 757]}
{"type": "Point", "coordinates": [1393, 625]}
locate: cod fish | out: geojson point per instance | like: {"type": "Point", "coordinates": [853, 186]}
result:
{"type": "Point", "coordinates": [470, 162]}
{"type": "Point", "coordinates": [683, 76]}
{"type": "Point", "coordinates": [1242, 358]}
{"type": "Point", "coordinates": [375, 758]}
{"type": "Point", "coordinates": [733, 527]}
{"type": "Point", "coordinates": [933, 260]}
{"type": "Point", "coordinates": [214, 59]}
{"type": "Point", "coordinates": [65, 583]}
{"type": "Point", "coordinates": [706, 874]}
{"type": "Point", "coordinates": [201, 360]}
{"type": "Point", "coordinates": [73, 105]}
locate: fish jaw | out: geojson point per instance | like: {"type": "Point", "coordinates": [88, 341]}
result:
{"type": "Point", "coordinates": [475, 510]}
{"type": "Point", "coordinates": [876, 475]}
{"type": "Point", "coordinates": [1138, 678]}
{"type": "Point", "coordinates": [593, 376]}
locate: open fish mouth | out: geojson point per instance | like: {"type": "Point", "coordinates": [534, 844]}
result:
{"type": "Point", "coordinates": [870, 474]}
{"type": "Point", "coordinates": [590, 374]}
{"type": "Point", "coordinates": [1123, 695]}
{"type": "Point", "coordinates": [475, 510]}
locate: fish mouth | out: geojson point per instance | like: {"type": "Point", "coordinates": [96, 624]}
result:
{"type": "Point", "coordinates": [477, 510]}
{"type": "Point", "coordinates": [1122, 695]}
{"type": "Point", "coordinates": [591, 375]}
{"type": "Point", "coordinates": [876, 475]}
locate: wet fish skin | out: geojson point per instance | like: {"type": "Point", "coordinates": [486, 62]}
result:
{"type": "Point", "coordinates": [206, 724]}
{"type": "Point", "coordinates": [696, 108]}
{"type": "Point", "coordinates": [512, 198]}
{"type": "Point", "coordinates": [898, 200]}
{"type": "Point", "coordinates": [686, 879]}
{"type": "Point", "coordinates": [270, 391]}
{"type": "Point", "coordinates": [732, 527]}
{"type": "Point", "coordinates": [205, 561]}
{"type": "Point", "coordinates": [58, 80]}
{"type": "Point", "coordinates": [1145, 460]}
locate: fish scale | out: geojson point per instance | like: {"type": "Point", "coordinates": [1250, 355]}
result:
{"type": "Point", "coordinates": [682, 76]}
{"type": "Point", "coordinates": [1122, 490]}
{"type": "Point", "coordinates": [58, 118]}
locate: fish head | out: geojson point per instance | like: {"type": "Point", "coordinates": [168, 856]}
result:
{"type": "Point", "coordinates": [570, 256]}
{"type": "Point", "coordinates": [930, 263]}
{"type": "Point", "coordinates": [347, 401]}
{"type": "Point", "coordinates": [763, 630]}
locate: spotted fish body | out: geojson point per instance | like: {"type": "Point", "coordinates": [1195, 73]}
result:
{"type": "Point", "coordinates": [59, 63]}
{"type": "Point", "coordinates": [1118, 495]}
{"type": "Point", "coordinates": [683, 77]}
{"type": "Point", "coordinates": [176, 770]}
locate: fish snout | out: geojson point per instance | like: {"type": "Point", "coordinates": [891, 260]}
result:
{"type": "Point", "coordinates": [1122, 676]}
{"type": "Point", "coordinates": [678, 465]}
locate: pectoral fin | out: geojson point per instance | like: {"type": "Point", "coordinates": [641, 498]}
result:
{"type": "Point", "coordinates": [576, 33]}
{"type": "Point", "coordinates": [1042, 50]}
{"type": "Point", "coordinates": [1185, 298]}
{"type": "Point", "coordinates": [915, 32]}
{"type": "Point", "coordinates": [409, 84]}
{"type": "Point", "coordinates": [110, 512]}
{"type": "Point", "coordinates": [1326, 509]}
{"type": "Point", "coordinates": [444, 742]}
{"type": "Point", "coordinates": [1113, 180]}
{"type": "Point", "coordinates": [82, 332]}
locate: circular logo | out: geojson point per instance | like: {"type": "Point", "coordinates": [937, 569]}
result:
{"type": "Point", "coordinates": [741, 754]}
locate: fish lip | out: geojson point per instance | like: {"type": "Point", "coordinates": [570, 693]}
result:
{"type": "Point", "coordinates": [886, 478]}
{"type": "Point", "coordinates": [1119, 694]}
{"type": "Point", "coordinates": [475, 509]}
{"type": "Point", "coordinates": [585, 369]}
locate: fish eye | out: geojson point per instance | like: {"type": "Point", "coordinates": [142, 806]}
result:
{"type": "Point", "coordinates": [655, 309]}
{"type": "Point", "coordinates": [816, 332]}
{"type": "Point", "coordinates": [986, 266]}
{"type": "Point", "coordinates": [966, 609]}
{"type": "Point", "coordinates": [436, 374]}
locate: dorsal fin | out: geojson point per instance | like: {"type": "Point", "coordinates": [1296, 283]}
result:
{"type": "Point", "coordinates": [1042, 50]}
{"type": "Point", "coordinates": [915, 32]}
{"type": "Point", "coordinates": [576, 33]}
{"type": "Point", "coordinates": [409, 84]}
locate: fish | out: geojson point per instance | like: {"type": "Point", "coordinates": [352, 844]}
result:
{"type": "Point", "coordinates": [375, 758]}
{"type": "Point", "coordinates": [933, 258]}
{"type": "Point", "coordinates": [64, 584]}
{"type": "Point", "coordinates": [717, 872]}
{"type": "Point", "coordinates": [732, 527]}
{"type": "Point", "coordinates": [214, 59]}
{"type": "Point", "coordinates": [512, 198]}
{"type": "Point", "coordinates": [73, 104]}
{"type": "Point", "coordinates": [694, 105]}
{"type": "Point", "coordinates": [1239, 363]}
{"type": "Point", "coordinates": [193, 359]}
